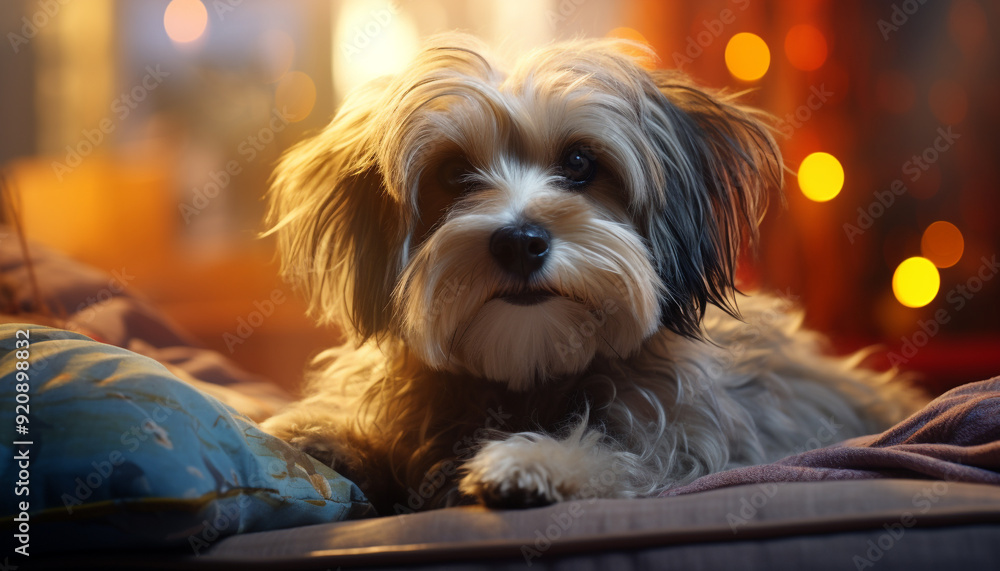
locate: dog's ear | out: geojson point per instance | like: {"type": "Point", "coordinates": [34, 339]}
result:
{"type": "Point", "coordinates": [340, 233]}
{"type": "Point", "coordinates": [719, 163]}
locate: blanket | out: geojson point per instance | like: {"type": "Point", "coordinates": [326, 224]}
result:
{"type": "Point", "coordinates": [956, 437]}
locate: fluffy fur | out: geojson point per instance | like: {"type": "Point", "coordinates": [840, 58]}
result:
{"type": "Point", "coordinates": [620, 366]}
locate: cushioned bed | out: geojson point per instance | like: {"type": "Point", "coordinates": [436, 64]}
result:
{"type": "Point", "coordinates": [145, 454]}
{"type": "Point", "coordinates": [885, 524]}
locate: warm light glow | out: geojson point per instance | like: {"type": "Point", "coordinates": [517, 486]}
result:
{"type": "Point", "coordinates": [747, 56]}
{"type": "Point", "coordinates": [895, 92]}
{"type": "Point", "coordinates": [371, 39]}
{"type": "Point", "coordinates": [948, 101]}
{"type": "Point", "coordinates": [821, 177]}
{"type": "Point", "coordinates": [643, 58]}
{"type": "Point", "coordinates": [295, 95]}
{"type": "Point", "coordinates": [943, 244]}
{"type": "Point", "coordinates": [277, 50]}
{"type": "Point", "coordinates": [968, 26]}
{"type": "Point", "coordinates": [916, 282]}
{"type": "Point", "coordinates": [805, 47]}
{"type": "Point", "coordinates": [185, 20]}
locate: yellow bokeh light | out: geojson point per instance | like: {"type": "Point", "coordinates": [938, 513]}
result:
{"type": "Point", "coordinates": [821, 177]}
{"type": "Point", "coordinates": [295, 95]}
{"type": "Point", "coordinates": [747, 56]}
{"type": "Point", "coordinates": [916, 282]}
{"type": "Point", "coordinates": [943, 244]}
{"type": "Point", "coordinates": [185, 20]}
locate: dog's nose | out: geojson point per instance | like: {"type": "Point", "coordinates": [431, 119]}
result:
{"type": "Point", "coordinates": [521, 250]}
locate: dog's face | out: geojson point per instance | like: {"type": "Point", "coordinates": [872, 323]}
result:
{"type": "Point", "coordinates": [516, 223]}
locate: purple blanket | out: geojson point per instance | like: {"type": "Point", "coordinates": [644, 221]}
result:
{"type": "Point", "coordinates": [956, 437]}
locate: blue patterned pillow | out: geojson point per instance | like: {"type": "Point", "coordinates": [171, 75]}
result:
{"type": "Point", "coordinates": [117, 452]}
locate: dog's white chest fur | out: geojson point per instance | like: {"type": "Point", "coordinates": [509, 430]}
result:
{"type": "Point", "coordinates": [678, 410]}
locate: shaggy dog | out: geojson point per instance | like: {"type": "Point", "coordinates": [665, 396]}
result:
{"type": "Point", "coordinates": [535, 267]}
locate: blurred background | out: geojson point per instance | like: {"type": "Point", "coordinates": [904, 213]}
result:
{"type": "Point", "coordinates": [139, 137]}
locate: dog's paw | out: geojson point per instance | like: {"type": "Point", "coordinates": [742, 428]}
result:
{"type": "Point", "coordinates": [516, 487]}
{"type": "Point", "coordinates": [530, 470]}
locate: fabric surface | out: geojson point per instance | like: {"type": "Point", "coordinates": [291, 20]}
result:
{"type": "Point", "coordinates": [796, 525]}
{"type": "Point", "coordinates": [122, 453]}
{"type": "Point", "coordinates": [102, 306]}
{"type": "Point", "coordinates": [956, 437]}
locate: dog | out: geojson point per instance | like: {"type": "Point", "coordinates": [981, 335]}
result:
{"type": "Point", "coordinates": [534, 267]}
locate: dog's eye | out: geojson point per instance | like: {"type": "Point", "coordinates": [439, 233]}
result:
{"type": "Point", "coordinates": [456, 176]}
{"type": "Point", "coordinates": [579, 165]}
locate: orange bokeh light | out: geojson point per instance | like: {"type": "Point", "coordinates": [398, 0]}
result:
{"type": "Point", "coordinates": [747, 56]}
{"type": "Point", "coordinates": [967, 25]}
{"type": "Point", "coordinates": [805, 47]}
{"type": "Point", "coordinates": [185, 20]}
{"type": "Point", "coordinates": [943, 244]}
{"type": "Point", "coordinates": [295, 95]}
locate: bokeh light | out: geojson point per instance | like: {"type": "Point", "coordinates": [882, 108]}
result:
{"type": "Point", "coordinates": [747, 56]}
{"type": "Point", "coordinates": [916, 282]}
{"type": "Point", "coordinates": [821, 177]}
{"type": "Point", "coordinates": [805, 47]}
{"type": "Point", "coordinates": [642, 57]}
{"type": "Point", "coordinates": [943, 244]}
{"type": "Point", "coordinates": [967, 25]}
{"type": "Point", "coordinates": [295, 95]}
{"type": "Point", "coordinates": [185, 20]}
